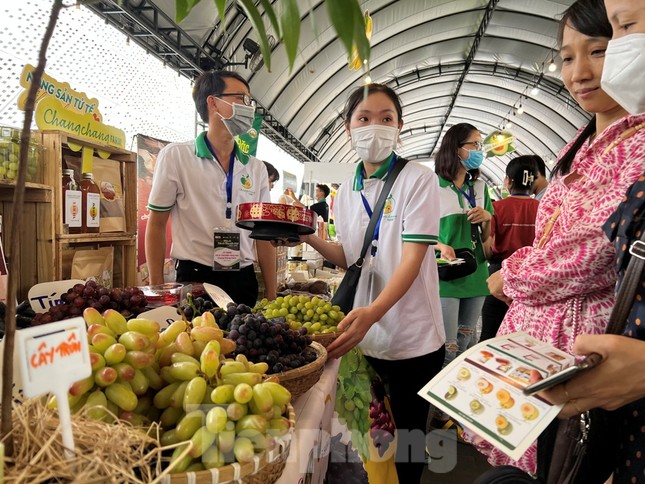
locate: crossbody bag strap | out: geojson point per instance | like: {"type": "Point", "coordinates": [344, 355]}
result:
{"type": "Point", "coordinates": [625, 297]}
{"type": "Point", "coordinates": [378, 208]}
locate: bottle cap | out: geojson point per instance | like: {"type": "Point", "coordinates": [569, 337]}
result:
{"type": "Point", "coordinates": [69, 173]}
{"type": "Point", "coordinates": [88, 175]}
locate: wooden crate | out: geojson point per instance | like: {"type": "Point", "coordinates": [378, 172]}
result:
{"type": "Point", "coordinates": [56, 147]}
{"type": "Point", "coordinates": [36, 248]}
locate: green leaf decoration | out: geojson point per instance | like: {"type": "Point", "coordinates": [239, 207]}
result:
{"type": "Point", "coordinates": [360, 37]}
{"type": "Point", "coordinates": [183, 8]}
{"type": "Point", "coordinates": [256, 21]}
{"type": "Point", "coordinates": [268, 9]}
{"type": "Point", "coordinates": [341, 14]}
{"type": "Point", "coordinates": [290, 19]}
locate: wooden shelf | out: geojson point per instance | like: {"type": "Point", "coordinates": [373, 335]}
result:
{"type": "Point", "coordinates": [34, 192]}
{"type": "Point", "coordinates": [96, 238]}
{"type": "Point", "coordinates": [65, 139]}
{"type": "Point", "coordinates": [56, 151]}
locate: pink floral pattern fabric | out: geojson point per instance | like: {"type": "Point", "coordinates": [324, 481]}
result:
{"type": "Point", "coordinates": [577, 266]}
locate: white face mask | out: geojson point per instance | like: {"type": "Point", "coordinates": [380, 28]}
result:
{"type": "Point", "coordinates": [241, 121]}
{"type": "Point", "coordinates": [375, 142]}
{"type": "Point", "coordinates": [622, 74]}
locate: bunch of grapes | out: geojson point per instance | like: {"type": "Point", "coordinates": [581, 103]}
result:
{"type": "Point", "coordinates": [381, 425]}
{"type": "Point", "coordinates": [225, 317]}
{"type": "Point", "coordinates": [221, 408]}
{"type": "Point", "coordinates": [129, 301]}
{"type": "Point", "coordinates": [195, 306]}
{"type": "Point", "coordinates": [271, 341]}
{"type": "Point", "coordinates": [24, 316]}
{"type": "Point", "coordinates": [122, 355]}
{"type": "Point", "coordinates": [316, 315]}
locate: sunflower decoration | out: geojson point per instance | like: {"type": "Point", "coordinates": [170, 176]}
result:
{"type": "Point", "coordinates": [355, 62]}
{"type": "Point", "coordinates": [499, 143]}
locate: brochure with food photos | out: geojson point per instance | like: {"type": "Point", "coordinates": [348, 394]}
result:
{"type": "Point", "coordinates": [482, 390]}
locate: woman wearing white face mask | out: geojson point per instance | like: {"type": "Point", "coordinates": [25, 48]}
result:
{"type": "Point", "coordinates": [397, 318]}
{"type": "Point", "coordinates": [466, 211]}
{"type": "Point", "coordinates": [619, 381]}
{"type": "Point", "coordinates": [563, 285]}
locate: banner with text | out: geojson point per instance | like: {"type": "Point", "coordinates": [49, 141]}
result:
{"type": "Point", "coordinates": [61, 108]}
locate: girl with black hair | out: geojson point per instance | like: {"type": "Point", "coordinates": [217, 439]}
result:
{"type": "Point", "coordinates": [512, 227]}
{"type": "Point", "coordinates": [563, 285]}
{"type": "Point", "coordinates": [466, 211]}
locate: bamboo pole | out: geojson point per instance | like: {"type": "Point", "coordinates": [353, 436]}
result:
{"type": "Point", "coordinates": [14, 235]}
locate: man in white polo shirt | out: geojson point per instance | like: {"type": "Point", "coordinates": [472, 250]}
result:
{"type": "Point", "coordinates": [198, 184]}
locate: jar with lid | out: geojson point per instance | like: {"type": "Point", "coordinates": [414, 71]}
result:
{"type": "Point", "coordinates": [72, 203]}
{"type": "Point", "coordinates": [91, 203]}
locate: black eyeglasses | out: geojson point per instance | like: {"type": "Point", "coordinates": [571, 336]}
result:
{"type": "Point", "coordinates": [477, 144]}
{"type": "Point", "coordinates": [245, 98]}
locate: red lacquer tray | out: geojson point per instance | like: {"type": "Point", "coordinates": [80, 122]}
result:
{"type": "Point", "coordinates": [275, 221]}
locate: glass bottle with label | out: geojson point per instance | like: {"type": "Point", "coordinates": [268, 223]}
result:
{"type": "Point", "coordinates": [72, 204]}
{"type": "Point", "coordinates": [91, 203]}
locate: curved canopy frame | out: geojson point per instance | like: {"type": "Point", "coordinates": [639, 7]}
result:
{"type": "Point", "coordinates": [450, 61]}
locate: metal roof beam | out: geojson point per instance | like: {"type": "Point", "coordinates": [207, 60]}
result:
{"type": "Point", "coordinates": [488, 13]}
{"type": "Point", "coordinates": [166, 44]}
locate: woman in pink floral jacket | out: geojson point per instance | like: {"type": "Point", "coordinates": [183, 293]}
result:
{"type": "Point", "coordinates": [563, 285]}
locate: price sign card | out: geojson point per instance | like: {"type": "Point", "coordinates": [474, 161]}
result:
{"type": "Point", "coordinates": [46, 295]}
{"type": "Point", "coordinates": [52, 357]}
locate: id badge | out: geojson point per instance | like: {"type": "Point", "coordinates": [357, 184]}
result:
{"type": "Point", "coordinates": [226, 249]}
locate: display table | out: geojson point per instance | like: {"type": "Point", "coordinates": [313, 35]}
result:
{"type": "Point", "coordinates": [309, 453]}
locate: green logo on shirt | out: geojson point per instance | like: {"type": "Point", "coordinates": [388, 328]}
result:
{"type": "Point", "coordinates": [245, 180]}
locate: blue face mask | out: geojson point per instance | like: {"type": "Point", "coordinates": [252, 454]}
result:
{"type": "Point", "coordinates": [474, 160]}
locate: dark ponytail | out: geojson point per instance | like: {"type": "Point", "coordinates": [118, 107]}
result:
{"type": "Point", "coordinates": [563, 167]}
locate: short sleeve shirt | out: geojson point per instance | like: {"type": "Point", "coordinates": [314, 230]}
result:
{"type": "Point", "coordinates": [414, 325]}
{"type": "Point", "coordinates": [190, 183]}
{"type": "Point", "coordinates": [455, 231]}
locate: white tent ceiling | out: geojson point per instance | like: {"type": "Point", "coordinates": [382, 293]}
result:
{"type": "Point", "coordinates": [450, 61]}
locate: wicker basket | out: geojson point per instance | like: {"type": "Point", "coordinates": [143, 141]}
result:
{"type": "Point", "coordinates": [324, 339]}
{"type": "Point", "coordinates": [266, 468]}
{"type": "Point", "coordinates": [299, 380]}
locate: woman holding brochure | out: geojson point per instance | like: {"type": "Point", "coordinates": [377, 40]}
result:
{"type": "Point", "coordinates": [563, 285]}
{"type": "Point", "coordinates": [618, 383]}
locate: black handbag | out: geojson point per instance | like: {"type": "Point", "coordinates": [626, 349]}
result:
{"type": "Point", "coordinates": [449, 272]}
{"type": "Point", "coordinates": [344, 295]}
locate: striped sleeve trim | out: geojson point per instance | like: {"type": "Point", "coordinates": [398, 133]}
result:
{"type": "Point", "coordinates": [427, 239]}
{"type": "Point", "coordinates": [157, 208]}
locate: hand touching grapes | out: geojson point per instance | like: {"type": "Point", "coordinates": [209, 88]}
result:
{"type": "Point", "coordinates": [353, 329]}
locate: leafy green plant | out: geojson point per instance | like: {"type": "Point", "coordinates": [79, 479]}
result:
{"type": "Point", "coordinates": [346, 17]}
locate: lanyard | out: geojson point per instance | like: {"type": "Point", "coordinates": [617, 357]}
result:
{"type": "Point", "coordinates": [229, 178]}
{"type": "Point", "coordinates": [470, 196]}
{"type": "Point", "coordinates": [368, 209]}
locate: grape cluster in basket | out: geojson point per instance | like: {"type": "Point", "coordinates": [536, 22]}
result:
{"type": "Point", "coordinates": [212, 411]}
{"type": "Point", "coordinates": [129, 301]}
{"type": "Point", "coordinates": [269, 341]}
{"type": "Point", "coordinates": [314, 314]}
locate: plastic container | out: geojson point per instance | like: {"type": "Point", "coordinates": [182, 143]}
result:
{"type": "Point", "coordinates": [162, 294]}
{"type": "Point", "coordinates": [10, 154]}
{"type": "Point", "coordinates": [91, 205]}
